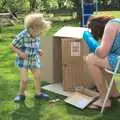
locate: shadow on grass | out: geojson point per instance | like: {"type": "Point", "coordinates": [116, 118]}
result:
{"type": "Point", "coordinates": [7, 88]}
{"type": "Point", "coordinates": [24, 112]}
{"type": "Point", "coordinates": [109, 114]}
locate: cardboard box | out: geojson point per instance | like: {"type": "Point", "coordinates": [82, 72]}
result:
{"type": "Point", "coordinates": [69, 50]}
{"type": "Point", "coordinates": [47, 59]}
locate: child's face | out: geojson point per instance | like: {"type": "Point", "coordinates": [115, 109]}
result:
{"type": "Point", "coordinates": [34, 31]}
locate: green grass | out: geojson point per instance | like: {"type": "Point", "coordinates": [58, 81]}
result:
{"type": "Point", "coordinates": [32, 109]}
{"type": "Point", "coordinates": [110, 13]}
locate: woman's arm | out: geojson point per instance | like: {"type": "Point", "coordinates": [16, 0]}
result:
{"type": "Point", "coordinates": [107, 40]}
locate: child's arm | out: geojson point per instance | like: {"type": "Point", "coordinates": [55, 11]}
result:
{"type": "Point", "coordinates": [17, 43]}
{"type": "Point", "coordinates": [41, 53]}
{"type": "Point", "coordinates": [19, 52]}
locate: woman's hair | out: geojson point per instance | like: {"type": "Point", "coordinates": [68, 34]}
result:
{"type": "Point", "coordinates": [97, 25]}
{"type": "Point", "coordinates": [36, 20]}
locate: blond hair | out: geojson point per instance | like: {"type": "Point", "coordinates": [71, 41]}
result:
{"type": "Point", "coordinates": [36, 20]}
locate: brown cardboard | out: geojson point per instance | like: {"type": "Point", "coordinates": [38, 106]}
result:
{"type": "Point", "coordinates": [68, 63]}
{"type": "Point", "coordinates": [79, 100]}
{"type": "Point", "coordinates": [58, 89]}
{"type": "Point", "coordinates": [46, 59]}
{"type": "Point", "coordinates": [82, 98]}
{"type": "Point", "coordinates": [88, 92]}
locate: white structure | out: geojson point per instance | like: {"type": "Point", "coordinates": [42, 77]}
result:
{"type": "Point", "coordinates": [86, 12]}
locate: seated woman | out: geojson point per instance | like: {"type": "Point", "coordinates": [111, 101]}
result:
{"type": "Point", "coordinates": [107, 31]}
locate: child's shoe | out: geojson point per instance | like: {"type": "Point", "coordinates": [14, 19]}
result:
{"type": "Point", "coordinates": [19, 98]}
{"type": "Point", "coordinates": [42, 96]}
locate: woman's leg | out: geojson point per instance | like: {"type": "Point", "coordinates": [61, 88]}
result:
{"type": "Point", "coordinates": [36, 74]}
{"type": "Point", "coordinates": [23, 80]}
{"type": "Point", "coordinates": [95, 66]}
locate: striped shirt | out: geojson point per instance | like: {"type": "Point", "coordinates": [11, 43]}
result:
{"type": "Point", "coordinates": [30, 46]}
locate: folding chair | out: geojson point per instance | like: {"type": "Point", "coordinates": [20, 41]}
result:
{"type": "Point", "coordinates": [110, 84]}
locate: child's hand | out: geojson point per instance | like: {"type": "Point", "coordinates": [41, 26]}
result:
{"type": "Point", "coordinates": [23, 55]}
{"type": "Point", "coordinates": [41, 53]}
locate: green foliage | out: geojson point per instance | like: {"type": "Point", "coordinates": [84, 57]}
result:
{"type": "Point", "coordinates": [54, 4]}
{"type": "Point", "coordinates": [0, 29]}
{"type": "Point", "coordinates": [13, 5]}
{"type": "Point", "coordinates": [22, 5]}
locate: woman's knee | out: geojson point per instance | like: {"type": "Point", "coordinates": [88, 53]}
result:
{"type": "Point", "coordinates": [90, 59]}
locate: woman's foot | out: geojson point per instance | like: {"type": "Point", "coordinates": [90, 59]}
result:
{"type": "Point", "coordinates": [100, 101]}
{"type": "Point", "coordinates": [114, 92]}
{"type": "Point", "coordinates": [98, 104]}
{"type": "Point", "coordinates": [115, 95]}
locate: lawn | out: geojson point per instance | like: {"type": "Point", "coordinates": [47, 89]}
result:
{"type": "Point", "coordinates": [32, 109]}
{"type": "Point", "coordinates": [110, 13]}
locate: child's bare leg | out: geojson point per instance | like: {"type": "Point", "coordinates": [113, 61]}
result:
{"type": "Point", "coordinates": [36, 74]}
{"type": "Point", "coordinates": [23, 80]}
{"type": "Point", "coordinates": [23, 85]}
{"type": "Point", "coordinates": [39, 95]}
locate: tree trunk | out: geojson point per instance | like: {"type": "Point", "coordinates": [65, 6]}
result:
{"type": "Point", "coordinates": [77, 4]}
{"type": "Point", "coordinates": [33, 5]}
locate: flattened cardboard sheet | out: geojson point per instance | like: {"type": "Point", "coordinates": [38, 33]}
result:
{"type": "Point", "coordinates": [57, 88]}
{"type": "Point", "coordinates": [82, 99]}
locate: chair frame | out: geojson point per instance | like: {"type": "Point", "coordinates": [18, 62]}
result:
{"type": "Point", "coordinates": [110, 84]}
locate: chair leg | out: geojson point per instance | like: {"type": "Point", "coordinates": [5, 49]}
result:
{"type": "Point", "coordinates": [107, 96]}
{"type": "Point", "coordinates": [110, 87]}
